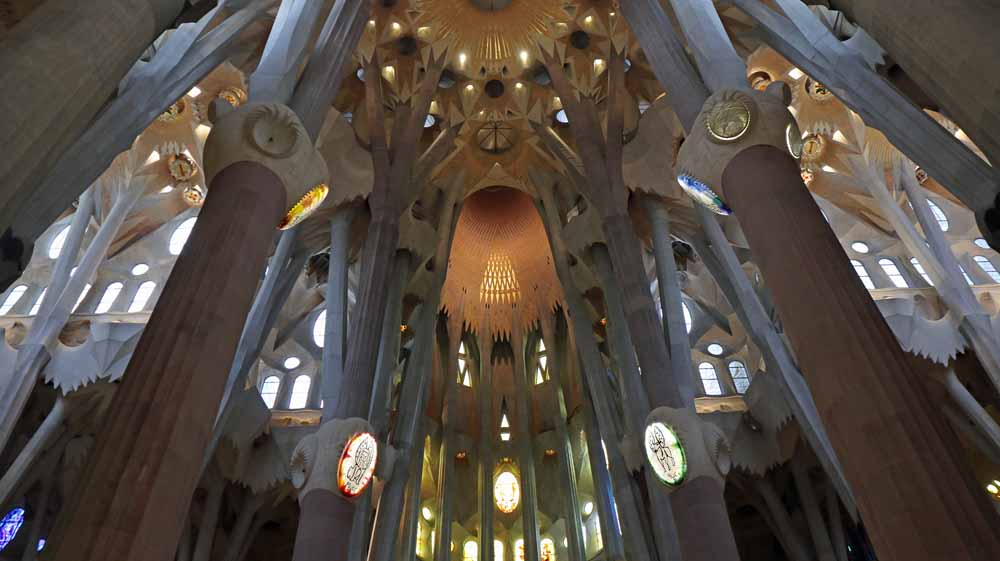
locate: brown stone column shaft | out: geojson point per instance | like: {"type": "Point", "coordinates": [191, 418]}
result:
{"type": "Point", "coordinates": [324, 527]}
{"type": "Point", "coordinates": [135, 493]}
{"type": "Point", "coordinates": [700, 511]}
{"type": "Point", "coordinates": [916, 496]}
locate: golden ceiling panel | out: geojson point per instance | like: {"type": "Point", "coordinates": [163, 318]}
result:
{"type": "Point", "coordinates": [497, 36]}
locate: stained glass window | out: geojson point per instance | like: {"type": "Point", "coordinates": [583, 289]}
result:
{"type": "Point", "coordinates": [507, 492]}
{"type": "Point", "coordinates": [10, 525]}
{"type": "Point", "coordinates": [548, 550]}
{"type": "Point", "coordinates": [519, 550]}
{"type": "Point", "coordinates": [497, 550]}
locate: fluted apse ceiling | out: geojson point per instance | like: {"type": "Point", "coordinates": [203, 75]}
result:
{"type": "Point", "coordinates": [500, 262]}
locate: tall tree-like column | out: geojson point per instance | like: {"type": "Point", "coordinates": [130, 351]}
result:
{"type": "Point", "coordinates": [446, 461]}
{"type": "Point", "coordinates": [335, 328]}
{"type": "Point", "coordinates": [136, 490]}
{"type": "Point", "coordinates": [881, 420]}
{"type": "Point", "coordinates": [525, 447]}
{"type": "Point", "coordinates": [487, 440]}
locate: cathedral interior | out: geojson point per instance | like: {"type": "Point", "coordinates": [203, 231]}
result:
{"type": "Point", "coordinates": [499, 280]}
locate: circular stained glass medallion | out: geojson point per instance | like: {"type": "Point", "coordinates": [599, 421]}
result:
{"type": "Point", "coordinates": [357, 464]}
{"type": "Point", "coordinates": [507, 492]}
{"type": "Point", "coordinates": [728, 120]}
{"type": "Point", "coordinates": [665, 453]}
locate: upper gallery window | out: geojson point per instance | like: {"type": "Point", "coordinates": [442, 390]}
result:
{"type": "Point", "coordinates": [741, 378]}
{"type": "Point", "coordinates": [987, 267]}
{"type": "Point", "coordinates": [939, 215]}
{"type": "Point", "coordinates": [866, 279]}
{"type": "Point", "coordinates": [542, 372]}
{"type": "Point", "coordinates": [141, 297]}
{"type": "Point", "coordinates": [300, 392]}
{"type": "Point", "coordinates": [319, 329]}
{"type": "Point", "coordinates": [892, 271]}
{"type": "Point", "coordinates": [38, 303]}
{"type": "Point", "coordinates": [688, 322]}
{"type": "Point", "coordinates": [709, 379]}
{"type": "Point", "coordinates": [12, 298]}
{"type": "Point", "coordinates": [470, 551]}
{"type": "Point", "coordinates": [464, 377]}
{"type": "Point", "coordinates": [507, 491]}
{"type": "Point", "coordinates": [180, 236]}
{"type": "Point", "coordinates": [57, 243]}
{"type": "Point", "coordinates": [109, 297]}
{"type": "Point", "coordinates": [269, 390]}
{"type": "Point", "coordinates": [920, 269]}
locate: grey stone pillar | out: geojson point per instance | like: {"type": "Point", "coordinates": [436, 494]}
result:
{"type": "Point", "coordinates": [810, 505]}
{"type": "Point", "coordinates": [567, 471]}
{"type": "Point", "coordinates": [670, 297]}
{"type": "Point", "coordinates": [335, 330]}
{"type": "Point", "coordinates": [209, 519]}
{"type": "Point", "coordinates": [408, 532]}
{"type": "Point", "coordinates": [487, 441]}
{"type": "Point", "coordinates": [525, 448]}
{"type": "Point", "coordinates": [58, 67]}
{"type": "Point", "coordinates": [446, 463]}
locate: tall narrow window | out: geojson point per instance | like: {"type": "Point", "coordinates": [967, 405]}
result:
{"type": "Point", "coordinates": [892, 271]}
{"type": "Point", "coordinates": [519, 550]}
{"type": "Point", "coordinates": [866, 279]}
{"type": "Point", "coordinates": [470, 551]}
{"type": "Point", "coordinates": [38, 303]}
{"type": "Point", "coordinates": [687, 317]}
{"type": "Point", "coordinates": [709, 379]}
{"type": "Point", "coordinates": [987, 267]}
{"type": "Point", "coordinates": [108, 298]}
{"type": "Point", "coordinates": [142, 297]}
{"type": "Point", "coordinates": [968, 279]}
{"type": "Point", "coordinates": [548, 548]}
{"type": "Point", "coordinates": [180, 236]}
{"type": "Point", "coordinates": [57, 243]}
{"type": "Point", "coordinates": [300, 392]}
{"type": "Point", "coordinates": [497, 550]}
{"type": "Point", "coordinates": [464, 377]}
{"type": "Point", "coordinates": [15, 295]}
{"type": "Point", "coordinates": [269, 390]}
{"type": "Point", "coordinates": [741, 378]}
{"type": "Point", "coordinates": [939, 215]}
{"type": "Point", "coordinates": [542, 372]}
{"type": "Point", "coordinates": [504, 428]}
{"type": "Point", "coordinates": [920, 269]}
{"type": "Point", "coordinates": [319, 329]}
{"type": "Point", "coordinates": [83, 296]}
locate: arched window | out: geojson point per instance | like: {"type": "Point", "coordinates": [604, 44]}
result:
{"type": "Point", "coordinates": [142, 297]}
{"type": "Point", "coordinates": [741, 378]}
{"type": "Point", "coordinates": [982, 243]}
{"type": "Point", "coordinates": [180, 236]}
{"type": "Point", "coordinates": [519, 550]}
{"type": "Point", "coordinates": [12, 298]}
{"type": "Point", "coordinates": [319, 329]}
{"type": "Point", "coordinates": [987, 267]}
{"type": "Point", "coordinates": [300, 392]}
{"type": "Point", "coordinates": [38, 302]}
{"type": "Point", "coordinates": [464, 377]}
{"type": "Point", "coordinates": [83, 296]}
{"type": "Point", "coordinates": [920, 269]}
{"type": "Point", "coordinates": [10, 525]}
{"type": "Point", "coordinates": [939, 215]}
{"type": "Point", "coordinates": [497, 550]}
{"type": "Point", "coordinates": [542, 372]}
{"type": "Point", "coordinates": [709, 379]}
{"type": "Point", "coordinates": [140, 269]}
{"type": "Point", "coordinates": [57, 243]}
{"type": "Point", "coordinates": [548, 548]}
{"type": "Point", "coordinates": [866, 279]}
{"type": "Point", "coordinates": [269, 390]}
{"type": "Point", "coordinates": [968, 279]}
{"type": "Point", "coordinates": [687, 317]}
{"type": "Point", "coordinates": [892, 271]}
{"type": "Point", "coordinates": [108, 298]}
{"type": "Point", "coordinates": [470, 551]}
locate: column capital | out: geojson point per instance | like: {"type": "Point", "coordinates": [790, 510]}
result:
{"type": "Point", "coordinates": [340, 458]}
{"type": "Point", "coordinates": [730, 122]}
{"type": "Point", "coordinates": [270, 134]}
{"type": "Point", "coordinates": [681, 447]}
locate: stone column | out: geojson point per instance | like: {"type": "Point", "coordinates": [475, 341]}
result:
{"type": "Point", "coordinates": [446, 461]}
{"type": "Point", "coordinates": [335, 330]}
{"type": "Point", "coordinates": [793, 544]}
{"type": "Point", "coordinates": [487, 441]}
{"type": "Point", "coordinates": [58, 67]}
{"type": "Point", "coordinates": [670, 296]}
{"type": "Point", "coordinates": [810, 505]}
{"type": "Point", "coordinates": [557, 405]}
{"type": "Point", "coordinates": [137, 488]}
{"type": "Point", "coordinates": [525, 448]}
{"type": "Point", "coordinates": [209, 520]}
{"type": "Point", "coordinates": [881, 420]}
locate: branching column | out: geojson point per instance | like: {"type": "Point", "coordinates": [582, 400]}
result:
{"type": "Point", "coordinates": [487, 441]}
{"type": "Point", "coordinates": [525, 448]}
